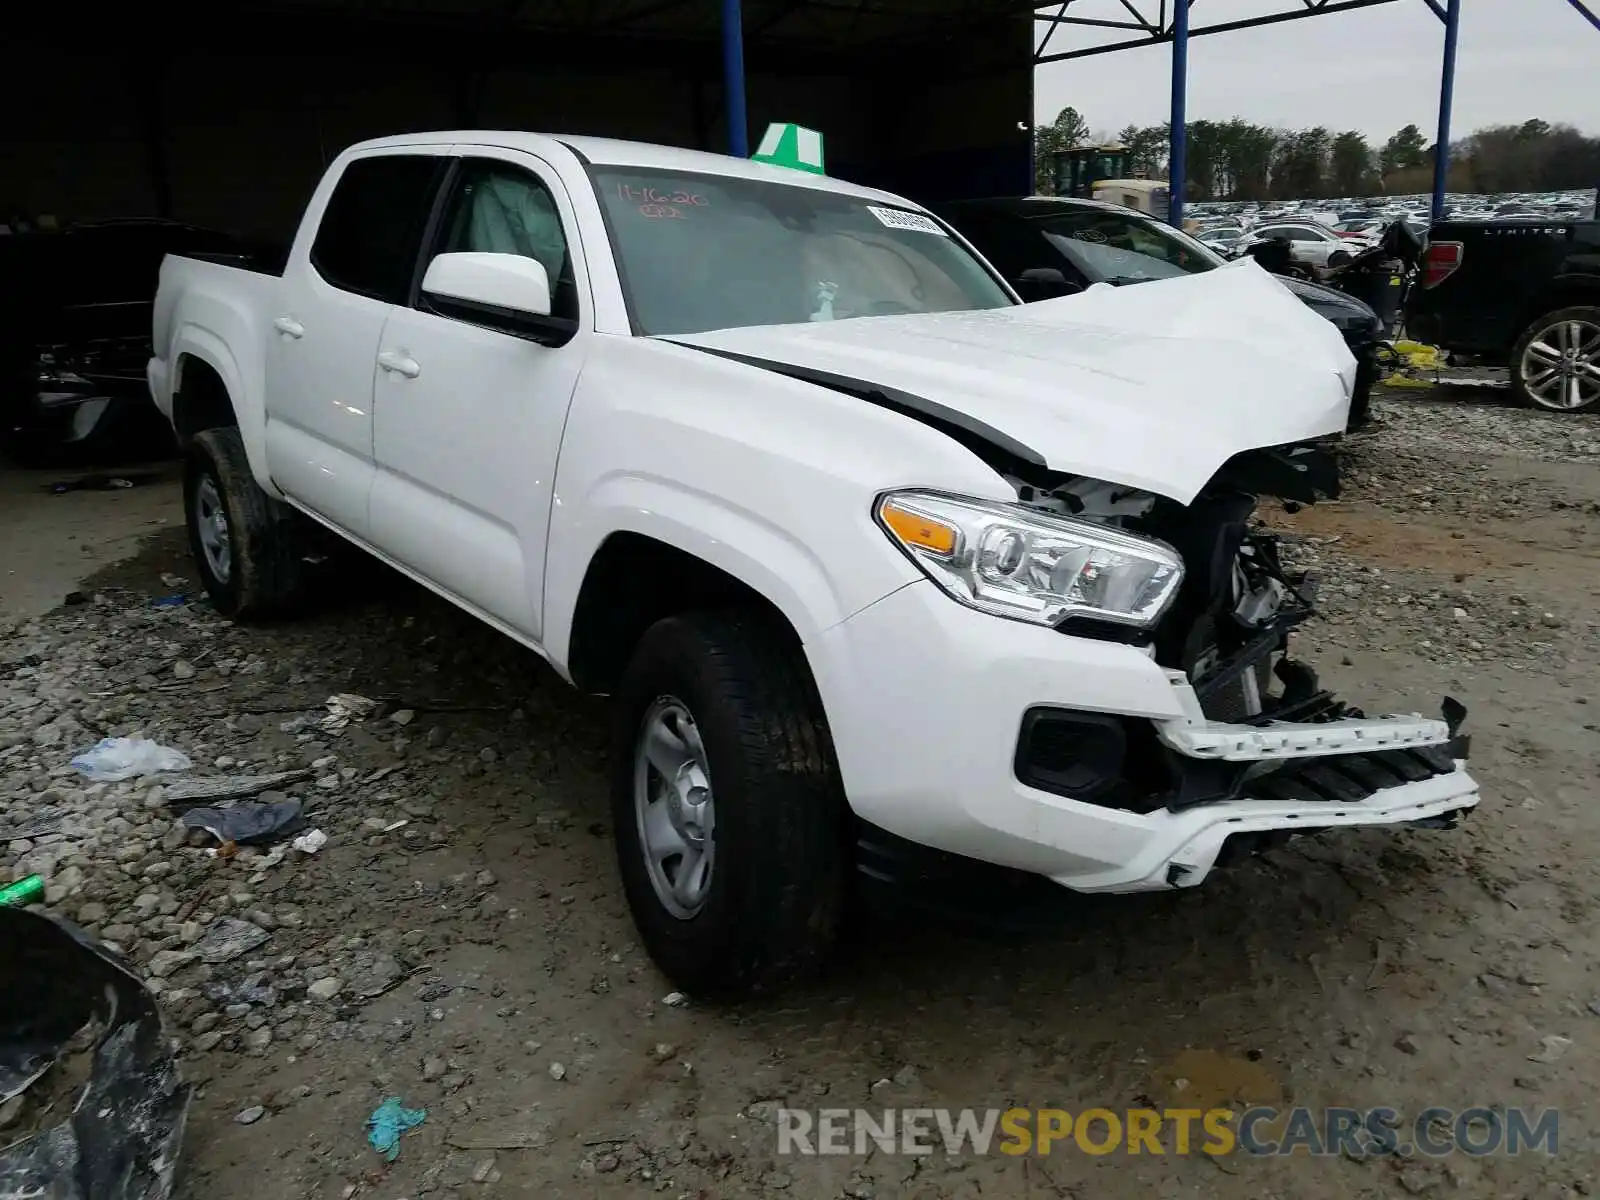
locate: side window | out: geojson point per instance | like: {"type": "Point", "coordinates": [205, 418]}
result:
{"type": "Point", "coordinates": [502, 209]}
{"type": "Point", "coordinates": [371, 230]}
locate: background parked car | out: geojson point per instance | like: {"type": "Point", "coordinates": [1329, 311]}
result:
{"type": "Point", "coordinates": [1051, 246]}
{"type": "Point", "coordinates": [75, 316]}
{"type": "Point", "coordinates": [1221, 238]}
{"type": "Point", "coordinates": [1519, 294]}
{"type": "Point", "coordinates": [1310, 242]}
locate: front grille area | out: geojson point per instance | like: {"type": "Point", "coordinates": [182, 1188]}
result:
{"type": "Point", "coordinates": [1351, 778]}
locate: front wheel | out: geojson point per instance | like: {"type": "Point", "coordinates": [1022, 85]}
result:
{"type": "Point", "coordinates": [1556, 363]}
{"type": "Point", "coordinates": [730, 817]}
{"type": "Point", "coordinates": [244, 542]}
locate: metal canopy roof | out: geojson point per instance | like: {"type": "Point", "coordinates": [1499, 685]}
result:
{"type": "Point", "coordinates": [1152, 22]}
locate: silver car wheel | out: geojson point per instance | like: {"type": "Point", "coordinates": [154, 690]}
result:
{"type": "Point", "coordinates": [211, 524]}
{"type": "Point", "coordinates": [1560, 369]}
{"type": "Point", "coordinates": [674, 807]}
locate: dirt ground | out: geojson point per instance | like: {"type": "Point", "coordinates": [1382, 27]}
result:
{"type": "Point", "coordinates": [50, 542]}
{"type": "Point", "coordinates": [1358, 969]}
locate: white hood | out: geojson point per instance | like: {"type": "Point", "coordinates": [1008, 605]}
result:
{"type": "Point", "coordinates": [1154, 386]}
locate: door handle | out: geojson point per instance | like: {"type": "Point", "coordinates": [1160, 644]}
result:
{"type": "Point", "coordinates": [289, 326]}
{"type": "Point", "coordinates": [399, 364]}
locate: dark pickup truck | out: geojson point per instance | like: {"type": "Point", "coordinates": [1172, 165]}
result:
{"type": "Point", "coordinates": [1525, 294]}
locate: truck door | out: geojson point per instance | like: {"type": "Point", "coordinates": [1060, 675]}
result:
{"type": "Point", "coordinates": [468, 415]}
{"type": "Point", "coordinates": [337, 291]}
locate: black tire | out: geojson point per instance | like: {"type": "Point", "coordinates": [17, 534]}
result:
{"type": "Point", "coordinates": [1586, 314]}
{"type": "Point", "coordinates": [1340, 258]}
{"type": "Point", "coordinates": [775, 894]}
{"type": "Point", "coordinates": [265, 572]}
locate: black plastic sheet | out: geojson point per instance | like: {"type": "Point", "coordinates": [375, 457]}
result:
{"type": "Point", "coordinates": [122, 1138]}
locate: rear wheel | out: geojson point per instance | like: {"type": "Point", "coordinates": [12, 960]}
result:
{"type": "Point", "coordinates": [245, 543]}
{"type": "Point", "coordinates": [729, 814]}
{"type": "Point", "coordinates": [1556, 363]}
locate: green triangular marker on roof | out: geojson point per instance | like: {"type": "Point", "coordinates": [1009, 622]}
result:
{"type": "Point", "coordinates": [789, 145]}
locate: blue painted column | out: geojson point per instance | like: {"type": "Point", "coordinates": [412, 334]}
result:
{"type": "Point", "coordinates": [733, 78]}
{"type": "Point", "coordinates": [1447, 95]}
{"type": "Point", "coordinates": [1178, 156]}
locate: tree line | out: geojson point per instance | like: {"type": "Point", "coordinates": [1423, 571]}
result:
{"type": "Point", "coordinates": [1240, 160]}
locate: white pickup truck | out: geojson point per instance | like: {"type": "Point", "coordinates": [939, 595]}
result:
{"type": "Point", "coordinates": [953, 574]}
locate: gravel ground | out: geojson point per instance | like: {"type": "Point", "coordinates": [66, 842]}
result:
{"type": "Point", "coordinates": [461, 941]}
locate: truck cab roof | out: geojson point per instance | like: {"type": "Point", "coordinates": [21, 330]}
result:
{"type": "Point", "coordinates": [618, 152]}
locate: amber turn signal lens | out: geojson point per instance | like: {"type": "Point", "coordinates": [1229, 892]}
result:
{"type": "Point", "coordinates": [916, 530]}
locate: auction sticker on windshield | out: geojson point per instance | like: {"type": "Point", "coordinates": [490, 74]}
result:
{"type": "Point", "coordinates": [899, 218]}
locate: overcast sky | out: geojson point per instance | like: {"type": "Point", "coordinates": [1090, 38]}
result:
{"type": "Point", "coordinates": [1369, 69]}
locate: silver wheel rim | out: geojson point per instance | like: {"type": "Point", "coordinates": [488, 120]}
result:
{"type": "Point", "coordinates": [211, 523]}
{"type": "Point", "coordinates": [673, 807]}
{"type": "Point", "coordinates": [1561, 366]}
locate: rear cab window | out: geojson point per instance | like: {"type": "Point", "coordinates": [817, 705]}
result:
{"type": "Point", "coordinates": [371, 229]}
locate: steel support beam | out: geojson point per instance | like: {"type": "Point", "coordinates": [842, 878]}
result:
{"type": "Point", "coordinates": [1586, 11]}
{"type": "Point", "coordinates": [1164, 33]}
{"type": "Point", "coordinates": [1447, 94]}
{"type": "Point", "coordinates": [733, 78]}
{"type": "Point", "coordinates": [1178, 157]}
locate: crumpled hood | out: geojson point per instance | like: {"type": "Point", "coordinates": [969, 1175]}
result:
{"type": "Point", "coordinates": [1154, 386]}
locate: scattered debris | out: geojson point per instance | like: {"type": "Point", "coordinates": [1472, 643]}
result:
{"type": "Point", "coordinates": [121, 1140]}
{"type": "Point", "coordinates": [45, 821]}
{"type": "Point", "coordinates": [227, 939]}
{"type": "Point", "coordinates": [344, 707]}
{"type": "Point", "coordinates": [310, 842]}
{"type": "Point", "coordinates": [374, 975]}
{"type": "Point", "coordinates": [228, 787]}
{"type": "Point", "coordinates": [250, 1115]}
{"type": "Point", "coordinates": [23, 892]}
{"type": "Point", "coordinates": [115, 759]}
{"type": "Point", "coordinates": [248, 824]}
{"type": "Point", "coordinates": [386, 1124]}
{"type": "Point", "coordinates": [1555, 1049]}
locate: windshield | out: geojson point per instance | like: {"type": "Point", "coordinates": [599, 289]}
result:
{"type": "Point", "coordinates": [1113, 247]}
{"type": "Point", "coordinates": [700, 252]}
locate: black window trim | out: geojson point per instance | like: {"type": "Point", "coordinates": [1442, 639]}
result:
{"type": "Point", "coordinates": [549, 331]}
{"type": "Point", "coordinates": [440, 166]}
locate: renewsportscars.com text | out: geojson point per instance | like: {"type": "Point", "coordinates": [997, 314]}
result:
{"type": "Point", "coordinates": [1349, 1132]}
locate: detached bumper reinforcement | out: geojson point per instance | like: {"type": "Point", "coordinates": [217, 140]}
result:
{"type": "Point", "coordinates": [1193, 736]}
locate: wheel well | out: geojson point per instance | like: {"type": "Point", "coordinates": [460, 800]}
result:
{"type": "Point", "coordinates": [634, 581]}
{"type": "Point", "coordinates": [1573, 294]}
{"type": "Point", "coordinates": [202, 400]}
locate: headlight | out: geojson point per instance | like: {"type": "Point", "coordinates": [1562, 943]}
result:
{"type": "Point", "coordinates": [1030, 566]}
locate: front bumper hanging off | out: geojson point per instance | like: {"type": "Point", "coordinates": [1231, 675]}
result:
{"type": "Point", "coordinates": [1246, 785]}
{"type": "Point", "coordinates": [928, 765]}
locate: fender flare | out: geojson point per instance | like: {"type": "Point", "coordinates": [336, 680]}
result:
{"type": "Point", "coordinates": [757, 553]}
{"type": "Point", "coordinates": [245, 395]}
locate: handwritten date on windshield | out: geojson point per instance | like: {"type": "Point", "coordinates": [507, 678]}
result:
{"type": "Point", "coordinates": [669, 197]}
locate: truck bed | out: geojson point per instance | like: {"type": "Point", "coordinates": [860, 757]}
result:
{"type": "Point", "coordinates": [230, 297]}
{"type": "Point", "coordinates": [1511, 272]}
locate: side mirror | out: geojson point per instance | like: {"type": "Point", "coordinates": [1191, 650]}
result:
{"type": "Point", "coordinates": [500, 285]}
{"type": "Point", "coordinates": [1045, 283]}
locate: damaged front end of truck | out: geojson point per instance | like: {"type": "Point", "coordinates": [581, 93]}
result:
{"type": "Point", "coordinates": [1258, 724]}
